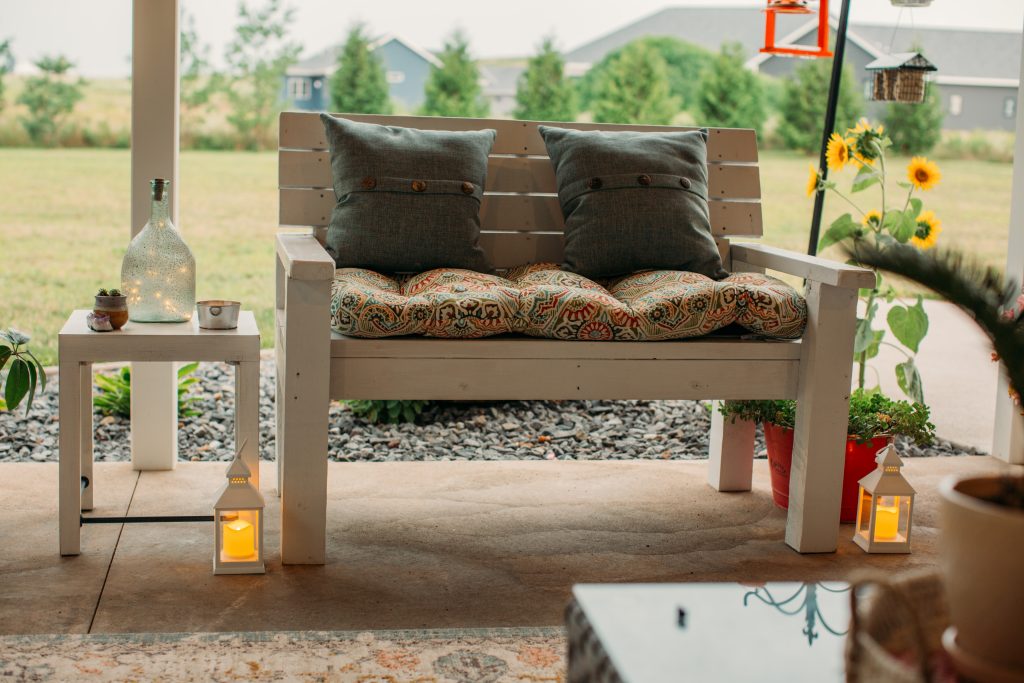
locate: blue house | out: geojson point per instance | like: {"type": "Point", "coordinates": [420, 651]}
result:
{"type": "Point", "coordinates": [406, 67]}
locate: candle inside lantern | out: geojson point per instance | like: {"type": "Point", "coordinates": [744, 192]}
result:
{"type": "Point", "coordinates": [887, 518]}
{"type": "Point", "coordinates": [239, 539]}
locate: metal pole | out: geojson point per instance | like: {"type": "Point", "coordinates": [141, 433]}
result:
{"type": "Point", "coordinates": [830, 122]}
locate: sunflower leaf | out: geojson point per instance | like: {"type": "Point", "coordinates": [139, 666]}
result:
{"type": "Point", "coordinates": [841, 228]}
{"type": "Point", "coordinates": [909, 324]}
{"type": "Point", "coordinates": [865, 178]}
{"type": "Point", "coordinates": [909, 380]}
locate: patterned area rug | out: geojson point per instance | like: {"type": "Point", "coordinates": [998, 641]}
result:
{"type": "Point", "coordinates": [427, 656]}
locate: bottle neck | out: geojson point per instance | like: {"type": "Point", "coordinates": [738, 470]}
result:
{"type": "Point", "coordinates": [160, 211]}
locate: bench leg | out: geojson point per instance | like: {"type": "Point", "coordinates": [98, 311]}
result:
{"type": "Point", "coordinates": [279, 405]}
{"type": "Point", "coordinates": [303, 435]}
{"type": "Point", "coordinates": [823, 404]}
{"type": "Point", "coordinates": [731, 452]}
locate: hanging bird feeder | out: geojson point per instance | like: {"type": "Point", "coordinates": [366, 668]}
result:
{"type": "Point", "coordinates": [776, 7]}
{"type": "Point", "coordinates": [900, 77]}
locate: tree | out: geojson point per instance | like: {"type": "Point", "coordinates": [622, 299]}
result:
{"type": "Point", "coordinates": [685, 61]}
{"type": "Point", "coordinates": [197, 82]}
{"type": "Point", "coordinates": [543, 92]}
{"type": "Point", "coordinates": [257, 58]}
{"type": "Point", "coordinates": [49, 98]}
{"type": "Point", "coordinates": [730, 94]}
{"type": "Point", "coordinates": [359, 84]}
{"type": "Point", "coordinates": [6, 64]}
{"type": "Point", "coordinates": [453, 89]}
{"type": "Point", "coordinates": [804, 97]}
{"type": "Point", "coordinates": [634, 88]}
{"type": "Point", "coordinates": [916, 128]}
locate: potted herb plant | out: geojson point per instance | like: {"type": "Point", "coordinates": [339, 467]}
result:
{"type": "Point", "coordinates": [874, 422]}
{"type": "Point", "coordinates": [112, 304]}
{"type": "Point", "coordinates": [981, 518]}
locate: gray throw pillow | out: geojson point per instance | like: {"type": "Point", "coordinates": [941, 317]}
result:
{"type": "Point", "coordinates": [407, 200]}
{"type": "Point", "coordinates": [634, 201]}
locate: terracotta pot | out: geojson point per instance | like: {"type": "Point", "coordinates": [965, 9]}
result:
{"type": "Point", "coordinates": [860, 460]}
{"type": "Point", "coordinates": [983, 561]}
{"type": "Point", "coordinates": [114, 307]}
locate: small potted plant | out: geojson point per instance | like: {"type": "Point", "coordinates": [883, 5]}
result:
{"type": "Point", "coordinates": [981, 518]}
{"type": "Point", "coordinates": [875, 420]}
{"type": "Point", "coordinates": [112, 304]}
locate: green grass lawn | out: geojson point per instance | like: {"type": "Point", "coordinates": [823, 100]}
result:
{"type": "Point", "coordinates": [64, 225]}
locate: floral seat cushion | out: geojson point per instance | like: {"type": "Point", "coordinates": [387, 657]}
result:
{"type": "Point", "coordinates": [542, 300]}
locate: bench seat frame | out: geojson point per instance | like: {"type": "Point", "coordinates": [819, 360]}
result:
{"type": "Point", "coordinates": [315, 365]}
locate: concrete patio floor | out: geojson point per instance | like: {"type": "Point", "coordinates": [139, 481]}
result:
{"type": "Point", "coordinates": [412, 545]}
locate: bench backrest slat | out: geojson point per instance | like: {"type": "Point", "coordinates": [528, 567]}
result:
{"type": "Point", "coordinates": [520, 215]}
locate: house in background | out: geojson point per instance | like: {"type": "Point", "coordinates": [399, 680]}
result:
{"type": "Point", "coordinates": [498, 82]}
{"type": "Point", "coordinates": [406, 66]}
{"type": "Point", "coordinates": [978, 77]}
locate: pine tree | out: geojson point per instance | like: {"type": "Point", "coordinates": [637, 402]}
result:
{"type": "Point", "coordinates": [804, 97]}
{"type": "Point", "coordinates": [543, 92]}
{"type": "Point", "coordinates": [686, 63]}
{"type": "Point", "coordinates": [453, 89]}
{"type": "Point", "coordinates": [915, 128]}
{"type": "Point", "coordinates": [730, 94]}
{"type": "Point", "coordinates": [359, 84]}
{"type": "Point", "coordinates": [634, 88]}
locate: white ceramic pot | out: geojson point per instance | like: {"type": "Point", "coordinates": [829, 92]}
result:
{"type": "Point", "coordinates": [982, 546]}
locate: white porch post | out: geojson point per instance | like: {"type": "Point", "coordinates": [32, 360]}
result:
{"type": "Point", "coordinates": [1008, 437]}
{"type": "Point", "coordinates": [154, 430]}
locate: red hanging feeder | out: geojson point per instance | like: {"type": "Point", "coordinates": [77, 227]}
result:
{"type": "Point", "coordinates": [796, 7]}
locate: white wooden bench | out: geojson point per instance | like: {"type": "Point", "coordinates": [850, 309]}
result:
{"type": "Point", "coordinates": [522, 223]}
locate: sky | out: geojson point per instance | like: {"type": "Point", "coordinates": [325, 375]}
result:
{"type": "Point", "coordinates": [96, 35]}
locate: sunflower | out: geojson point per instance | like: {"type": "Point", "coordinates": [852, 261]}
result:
{"type": "Point", "coordinates": [812, 180]}
{"type": "Point", "coordinates": [928, 229]}
{"type": "Point", "coordinates": [863, 126]}
{"type": "Point", "coordinates": [872, 219]}
{"type": "Point", "coordinates": [923, 174]}
{"type": "Point", "coordinates": [838, 152]}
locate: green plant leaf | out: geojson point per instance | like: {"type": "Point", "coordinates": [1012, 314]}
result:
{"type": "Point", "coordinates": [5, 353]}
{"type": "Point", "coordinates": [865, 335]}
{"type": "Point", "coordinates": [909, 324]}
{"type": "Point", "coordinates": [915, 209]}
{"type": "Point", "coordinates": [187, 369]}
{"type": "Point", "coordinates": [909, 380]}
{"type": "Point", "coordinates": [31, 384]}
{"type": "Point", "coordinates": [17, 383]}
{"type": "Point", "coordinates": [865, 178]}
{"type": "Point", "coordinates": [841, 228]}
{"type": "Point", "coordinates": [39, 367]}
{"type": "Point", "coordinates": [872, 350]}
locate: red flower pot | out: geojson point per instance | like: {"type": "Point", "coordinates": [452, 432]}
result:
{"type": "Point", "coordinates": [860, 460]}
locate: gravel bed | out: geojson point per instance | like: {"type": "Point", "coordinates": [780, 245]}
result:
{"type": "Point", "coordinates": [506, 430]}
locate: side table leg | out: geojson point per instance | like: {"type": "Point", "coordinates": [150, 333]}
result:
{"type": "Point", "coordinates": [247, 415]}
{"type": "Point", "coordinates": [86, 428]}
{"type": "Point", "coordinates": [70, 468]}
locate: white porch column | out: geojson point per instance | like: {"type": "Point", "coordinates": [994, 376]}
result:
{"type": "Point", "coordinates": [1008, 438]}
{"type": "Point", "coordinates": [154, 431]}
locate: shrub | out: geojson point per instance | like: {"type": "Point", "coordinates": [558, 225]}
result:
{"type": "Point", "coordinates": [634, 88]}
{"type": "Point", "coordinates": [543, 92]}
{"type": "Point", "coordinates": [802, 107]}
{"type": "Point", "coordinates": [387, 411]}
{"type": "Point", "coordinates": [730, 94]}
{"type": "Point", "coordinates": [115, 396]}
{"type": "Point", "coordinates": [916, 128]}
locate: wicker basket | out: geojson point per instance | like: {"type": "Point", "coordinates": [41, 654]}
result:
{"type": "Point", "coordinates": [896, 631]}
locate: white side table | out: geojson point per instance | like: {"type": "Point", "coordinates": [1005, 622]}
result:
{"type": "Point", "coordinates": [79, 347]}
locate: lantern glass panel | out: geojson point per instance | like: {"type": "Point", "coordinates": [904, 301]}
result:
{"type": "Point", "coordinates": [904, 523]}
{"type": "Point", "coordinates": [887, 519]}
{"type": "Point", "coordinates": [864, 506]}
{"type": "Point", "coordinates": [238, 531]}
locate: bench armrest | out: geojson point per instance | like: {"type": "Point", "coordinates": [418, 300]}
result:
{"type": "Point", "coordinates": [303, 258]}
{"type": "Point", "coordinates": [802, 265]}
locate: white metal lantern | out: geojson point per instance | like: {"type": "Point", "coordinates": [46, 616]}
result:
{"type": "Point", "coordinates": [885, 507]}
{"type": "Point", "coordinates": [238, 523]}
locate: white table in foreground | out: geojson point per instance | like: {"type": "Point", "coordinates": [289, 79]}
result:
{"type": "Point", "coordinates": [79, 347]}
{"type": "Point", "coordinates": [730, 632]}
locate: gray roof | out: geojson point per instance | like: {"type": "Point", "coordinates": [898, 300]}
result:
{"type": "Point", "coordinates": [707, 27]}
{"type": "Point", "coordinates": [322, 62]}
{"type": "Point", "coordinates": [956, 52]}
{"type": "Point", "coordinates": [964, 53]}
{"type": "Point", "coordinates": [500, 79]}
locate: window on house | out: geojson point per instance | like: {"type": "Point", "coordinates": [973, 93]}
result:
{"type": "Point", "coordinates": [956, 104]}
{"type": "Point", "coordinates": [869, 89]}
{"type": "Point", "coordinates": [1009, 107]}
{"type": "Point", "coordinates": [298, 89]}
{"type": "Point", "coordinates": [395, 77]}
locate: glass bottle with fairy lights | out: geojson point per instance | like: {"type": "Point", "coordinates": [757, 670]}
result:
{"type": "Point", "coordinates": [158, 273]}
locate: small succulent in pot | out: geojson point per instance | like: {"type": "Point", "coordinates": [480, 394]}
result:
{"type": "Point", "coordinates": [112, 304]}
